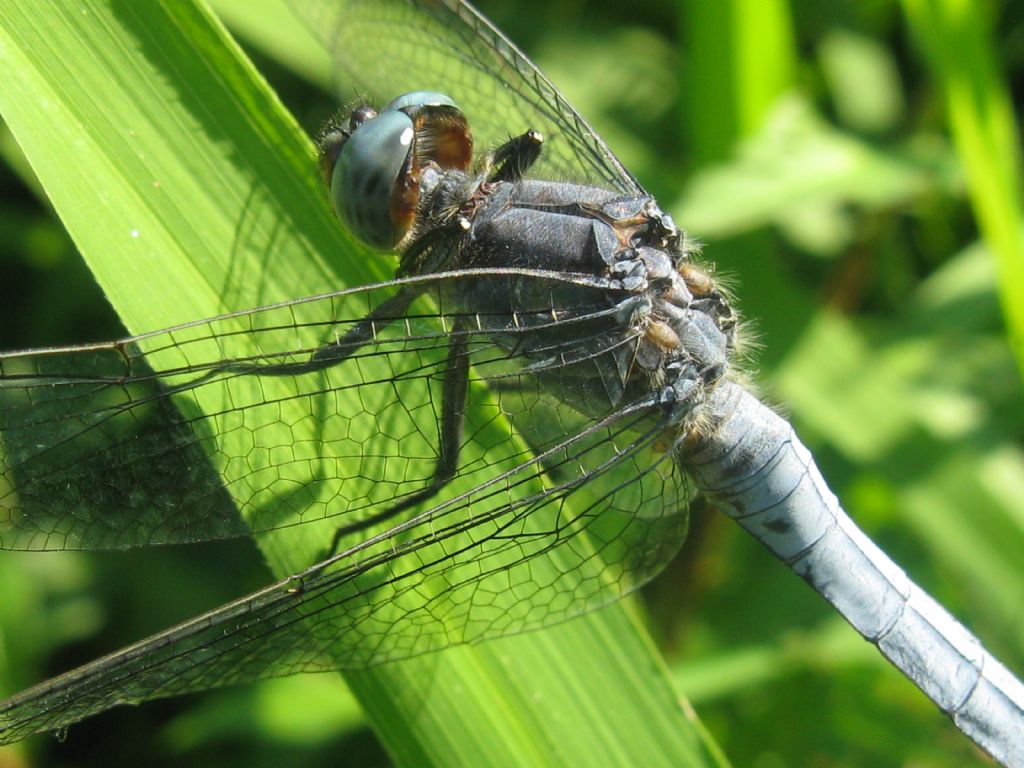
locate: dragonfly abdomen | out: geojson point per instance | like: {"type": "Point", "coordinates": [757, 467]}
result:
{"type": "Point", "coordinates": [751, 464]}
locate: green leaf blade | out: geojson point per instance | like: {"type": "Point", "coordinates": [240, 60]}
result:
{"type": "Point", "coordinates": [191, 192]}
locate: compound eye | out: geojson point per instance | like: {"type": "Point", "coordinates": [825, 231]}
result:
{"type": "Point", "coordinates": [369, 164]}
{"type": "Point", "coordinates": [373, 165]}
{"type": "Point", "coordinates": [442, 133]}
{"type": "Point", "coordinates": [419, 99]}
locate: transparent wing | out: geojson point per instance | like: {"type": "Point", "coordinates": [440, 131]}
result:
{"type": "Point", "coordinates": [307, 412]}
{"type": "Point", "coordinates": [383, 48]}
{"type": "Point", "coordinates": [553, 513]}
{"type": "Point", "coordinates": [284, 415]}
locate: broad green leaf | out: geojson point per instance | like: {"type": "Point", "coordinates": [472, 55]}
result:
{"type": "Point", "coordinates": [743, 61]}
{"type": "Point", "coordinates": [986, 133]}
{"type": "Point", "coordinates": [190, 191]}
{"type": "Point", "coordinates": [804, 176]}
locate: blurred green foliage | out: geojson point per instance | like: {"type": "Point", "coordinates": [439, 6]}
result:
{"type": "Point", "coordinates": [822, 154]}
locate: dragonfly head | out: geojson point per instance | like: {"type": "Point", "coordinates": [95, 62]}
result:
{"type": "Point", "coordinates": [372, 163]}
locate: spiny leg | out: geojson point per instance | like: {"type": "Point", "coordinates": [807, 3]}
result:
{"type": "Point", "coordinates": [337, 351]}
{"type": "Point", "coordinates": [515, 157]}
{"type": "Point", "coordinates": [455, 386]}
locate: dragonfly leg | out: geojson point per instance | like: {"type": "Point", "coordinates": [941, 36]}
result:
{"type": "Point", "coordinates": [429, 253]}
{"type": "Point", "coordinates": [455, 386]}
{"type": "Point", "coordinates": [513, 158]}
{"type": "Point", "coordinates": [337, 351]}
{"type": "Point", "coordinates": [364, 331]}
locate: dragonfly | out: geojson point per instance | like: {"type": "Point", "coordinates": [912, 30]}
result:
{"type": "Point", "coordinates": [504, 436]}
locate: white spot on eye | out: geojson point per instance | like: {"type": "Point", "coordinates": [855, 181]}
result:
{"type": "Point", "coordinates": [406, 138]}
{"type": "Point", "coordinates": [134, 233]}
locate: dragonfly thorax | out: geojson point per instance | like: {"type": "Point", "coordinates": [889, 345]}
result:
{"type": "Point", "coordinates": [597, 289]}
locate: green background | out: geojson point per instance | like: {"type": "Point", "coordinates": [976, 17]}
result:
{"type": "Point", "coordinates": [852, 171]}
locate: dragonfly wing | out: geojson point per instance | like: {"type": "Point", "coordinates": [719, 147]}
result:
{"type": "Point", "coordinates": [216, 428]}
{"type": "Point", "coordinates": [386, 48]}
{"type": "Point", "coordinates": [290, 414]}
{"type": "Point", "coordinates": [596, 514]}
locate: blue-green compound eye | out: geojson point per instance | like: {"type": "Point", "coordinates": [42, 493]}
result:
{"type": "Point", "coordinates": [419, 99]}
{"type": "Point", "coordinates": [372, 166]}
{"type": "Point", "coordinates": [368, 168]}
